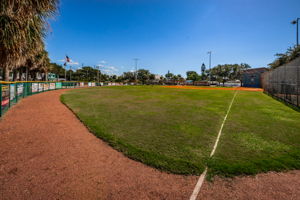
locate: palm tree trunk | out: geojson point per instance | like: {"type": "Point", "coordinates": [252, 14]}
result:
{"type": "Point", "coordinates": [15, 74]}
{"type": "Point", "coordinates": [26, 76]}
{"type": "Point", "coordinates": [6, 73]}
{"type": "Point", "coordinates": [2, 74]}
{"type": "Point", "coordinates": [46, 76]}
{"type": "Point", "coordinates": [20, 73]}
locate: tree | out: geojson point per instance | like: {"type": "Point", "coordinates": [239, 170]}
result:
{"type": "Point", "coordinates": [152, 77]}
{"type": "Point", "coordinates": [222, 73]}
{"type": "Point", "coordinates": [143, 75]}
{"type": "Point", "coordinates": [192, 75]}
{"type": "Point", "coordinates": [180, 78]}
{"type": "Point", "coordinates": [129, 76]}
{"type": "Point", "coordinates": [57, 69]}
{"type": "Point", "coordinates": [86, 73]}
{"type": "Point", "coordinates": [169, 76]}
{"type": "Point", "coordinates": [203, 68]}
{"type": "Point", "coordinates": [283, 58]}
{"type": "Point", "coordinates": [22, 29]}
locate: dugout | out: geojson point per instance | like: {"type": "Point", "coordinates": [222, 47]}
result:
{"type": "Point", "coordinates": [253, 77]}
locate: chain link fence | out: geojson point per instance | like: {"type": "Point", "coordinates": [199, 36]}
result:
{"type": "Point", "coordinates": [284, 82]}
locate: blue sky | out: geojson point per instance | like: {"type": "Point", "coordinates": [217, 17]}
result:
{"type": "Point", "coordinates": [171, 35]}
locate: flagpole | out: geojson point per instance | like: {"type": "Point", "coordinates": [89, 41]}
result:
{"type": "Point", "coordinates": [70, 72]}
{"type": "Point", "coordinates": [66, 72]}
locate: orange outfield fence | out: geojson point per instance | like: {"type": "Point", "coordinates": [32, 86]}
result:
{"type": "Point", "coordinates": [215, 88]}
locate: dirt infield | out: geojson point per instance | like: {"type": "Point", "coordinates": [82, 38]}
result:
{"type": "Point", "coordinates": [46, 153]}
{"type": "Point", "coordinates": [215, 88]}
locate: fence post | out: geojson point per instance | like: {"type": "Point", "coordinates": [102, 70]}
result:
{"type": "Point", "coordinates": [30, 88]}
{"type": "Point", "coordinates": [24, 88]}
{"type": "Point", "coordinates": [16, 92]}
{"type": "Point", "coordinates": [8, 95]}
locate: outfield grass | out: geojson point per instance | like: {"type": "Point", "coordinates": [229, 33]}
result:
{"type": "Point", "coordinates": [260, 135]}
{"type": "Point", "coordinates": [174, 129]}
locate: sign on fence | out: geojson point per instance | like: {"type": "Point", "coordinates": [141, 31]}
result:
{"type": "Point", "coordinates": [58, 85]}
{"type": "Point", "coordinates": [41, 87]}
{"type": "Point", "coordinates": [46, 86]}
{"type": "Point", "coordinates": [34, 87]}
{"type": "Point", "coordinates": [12, 92]}
{"type": "Point", "coordinates": [5, 97]}
{"type": "Point", "coordinates": [52, 86]}
{"type": "Point", "coordinates": [20, 89]}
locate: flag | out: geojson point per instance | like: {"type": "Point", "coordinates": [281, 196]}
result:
{"type": "Point", "coordinates": [68, 59]}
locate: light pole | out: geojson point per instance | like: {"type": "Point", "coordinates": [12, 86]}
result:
{"type": "Point", "coordinates": [136, 66]}
{"type": "Point", "coordinates": [209, 65]}
{"type": "Point", "coordinates": [297, 31]}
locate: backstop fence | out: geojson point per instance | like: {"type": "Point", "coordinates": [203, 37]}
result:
{"type": "Point", "coordinates": [284, 82]}
{"type": "Point", "coordinates": [12, 92]}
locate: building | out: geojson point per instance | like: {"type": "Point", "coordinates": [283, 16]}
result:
{"type": "Point", "coordinates": [157, 77]}
{"type": "Point", "coordinates": [253, 77]}
{"type": "Point", "coordinates": [52, 77]}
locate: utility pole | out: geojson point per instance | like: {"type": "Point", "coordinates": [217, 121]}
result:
{"type": "Point", "coordinates": [95, 77]}
{"type": "Point", "coordinates": [136, 67]}
{"type": "Point", "coordinates": [297, 31]}
{"type": "Point", "coordinates": [209, 65]}
{"type": "Point", "coordinates": [98, 73]}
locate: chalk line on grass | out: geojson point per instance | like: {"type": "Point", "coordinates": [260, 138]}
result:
{"type": "Point", "coordinates": [203, 175]}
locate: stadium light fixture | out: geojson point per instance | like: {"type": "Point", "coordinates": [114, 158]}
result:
{"type": "Point", "coordinates": [297, 29]}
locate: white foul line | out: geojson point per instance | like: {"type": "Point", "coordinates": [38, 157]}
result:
{"type": "Point", "coordinates": [202, 176]}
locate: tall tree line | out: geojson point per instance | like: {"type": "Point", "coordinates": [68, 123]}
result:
{"type": "Point", "coordinates": [284, 58]}
{"type": "Point", "coordinates": [220, 73]}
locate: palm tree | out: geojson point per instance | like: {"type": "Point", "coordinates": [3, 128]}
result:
{"type": "Point", "coordinates": [22, 29]}
{"type": "Point", "coordinates": [43, 63]}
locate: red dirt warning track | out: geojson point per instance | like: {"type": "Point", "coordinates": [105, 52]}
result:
{"type": "Point", "coordinates": [215, 88]}
{"type": "Point", "coordinates": [46, 153]}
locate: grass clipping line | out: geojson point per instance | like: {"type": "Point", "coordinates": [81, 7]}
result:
{"type": "Point", "coordinates": [203, 175]}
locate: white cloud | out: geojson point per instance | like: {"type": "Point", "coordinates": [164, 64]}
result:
{"type": "Point", "coordinates": [109, 70]}
{"type": "Point", "coordinates": [73, 62]}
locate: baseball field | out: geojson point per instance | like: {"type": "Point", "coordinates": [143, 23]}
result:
{"type": "Point", "coordinates": [175, 129]}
